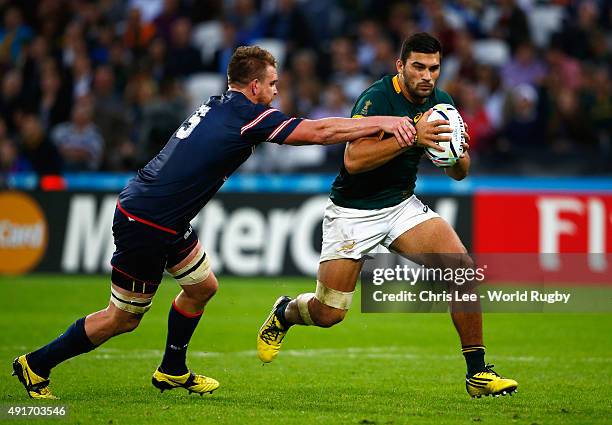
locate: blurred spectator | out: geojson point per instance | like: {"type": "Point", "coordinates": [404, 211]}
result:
{"type": "Point", "coordinates": [433, 18]}
{"type": "Point", "coordinates": [100, 52]}
{"type": "Point", "coordinates": [334, 104]}
{"type": "Point", "coordinates": [524, 68]}
{"type": "Point", "coordinates": [600, 109]}
{"type": "Point", "coordinates": [9, 156]}
{"type": "Point", "coordinates": [249, 23]}
{"type": "Point", "coordinates": [11, 100]}
{"type": "Point", "coordinates": [474, 113]}
{"type": "Point", "coordinates": [579, 36]}
{"type": "Point", "coordinates": [82, 76]}
{"type": "Point", "coordinates": [54, 104]}
{"type": "Point", "coordinates": [304, 65]}
{"type": "Point", "coordinates": [289, 24]}
{"type": "Point", "coordinates": [524, 129]}
{"type": "Point", "coordinates": [161, 115]}
{"type": "Point", "coordinates": [51, 17]}
{"type": "Point", "coordinates": [35, 149]}
{"type": "Point", "coordinates": [73, 43]}
{"type": "Point", "coordinates": [78, 141]}
{"type": "Point", "coordinates": [222, 55]}
{"type": "Point", "coordinates": [490, 87]}
{"type": "Point", "coordinates": [113, 120]}
{"type": "Point", "coordinates": [119, 60]}
{"type": "Point", "coordinates": [35, 54]}
{"type": "Point", "coordinates": [563, 70]}
{"type": "Point", "coordinates": [508, 22]}
{"type": "Point", "coordinates": [157, 60]}
{"type": "Point", "coordinates": [566, 127]}
{"type": "Point", "coordinates": [138, 33]}
{"type": "Point", "coordinates": [400, 23]}
{"type": "Point", "coordinates": [186, 59]}
{"type": "Point", "coordinates": [148, 9]}
{"type": "Point", "coordinates": [459, 65]}
{"type": "Point", "coordinates": [166, 19]}
{"type": "Point", "coordinates": [369, 35]}
{"type": "Point", "coordinates": [326, 20]}
{"type": "Point", "coordinates": [13, 35]}
{"type": "Point", "coordinates": [384, 59]}
{"type": "Point", "coordinates": [346, 69]}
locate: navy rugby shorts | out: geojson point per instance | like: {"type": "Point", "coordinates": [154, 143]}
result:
{"type": "Point", "coordinates": [142, 252]}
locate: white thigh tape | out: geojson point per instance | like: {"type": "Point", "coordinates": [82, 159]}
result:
{"type": "Point", "coordinates": [302, 303]}
{"type": "Point", "coordinates": [196, 271]}
{"type": "Point", "coordinates": [333, 298]}
{"type": "Point", "coordinates": [130, 304]}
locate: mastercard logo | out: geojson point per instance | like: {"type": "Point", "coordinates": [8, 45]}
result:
{"type": "Point", "coordinates": [23, 233]}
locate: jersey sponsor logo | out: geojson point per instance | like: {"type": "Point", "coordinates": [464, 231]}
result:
{"type": "Point", "coordinates": [364, 110]}
{"type": "Point", "coordinates": [347, 246]}
{"type": "Point", "coordinates": [417, 117]}
{"type": "Point", "coordinates": [23, 233]}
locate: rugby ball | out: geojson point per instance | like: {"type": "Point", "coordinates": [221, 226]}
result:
{"type": "Point", "coordinates": [454, 147]}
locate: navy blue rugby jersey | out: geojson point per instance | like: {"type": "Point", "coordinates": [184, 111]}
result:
{"type": "Point", "coordinates": [205, 150]}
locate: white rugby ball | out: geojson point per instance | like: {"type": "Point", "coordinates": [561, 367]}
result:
{"type": "Point", "coordinates": [454, 147]}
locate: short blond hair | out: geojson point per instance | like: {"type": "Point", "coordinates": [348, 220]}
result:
{"type": "Point", "coordinates": [247, 64]}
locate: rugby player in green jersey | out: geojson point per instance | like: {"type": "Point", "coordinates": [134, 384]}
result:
{"type": "Point", "coordinates": [372, 203]}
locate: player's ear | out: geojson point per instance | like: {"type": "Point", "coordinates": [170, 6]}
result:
{"type": "Point", "coordinates": [255, 87]}
{"type": "Point", "coordinates": [399, 65]}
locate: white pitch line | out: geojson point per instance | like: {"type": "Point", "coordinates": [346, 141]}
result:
{"type": "Point", "coordinates": [383, 352]}
{"type": "Point", "coordinates": [348, 352]}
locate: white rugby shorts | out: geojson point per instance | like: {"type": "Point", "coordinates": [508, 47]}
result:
{"type": "Point", "coordinates": [353, 233]}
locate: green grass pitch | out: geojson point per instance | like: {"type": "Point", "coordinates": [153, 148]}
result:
{"type": "Point", "coordinates": [371, 369]}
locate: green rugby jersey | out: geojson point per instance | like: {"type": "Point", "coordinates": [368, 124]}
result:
{"type": "Point", "coordinates": [393, 182]}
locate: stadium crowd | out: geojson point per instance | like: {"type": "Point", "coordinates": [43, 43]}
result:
{"type": "Point", "coordinates": [100, 85]}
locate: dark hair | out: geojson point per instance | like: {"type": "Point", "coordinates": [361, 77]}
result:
{"type": "Point", "coordinates": [420, 42]}
{"type": "Point", "coordinates": [247, 64]}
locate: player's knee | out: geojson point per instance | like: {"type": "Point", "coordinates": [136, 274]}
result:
{"type": "Point", "coordinates": [208, 289]}
{"type": "Point", "coordinates": [129, 323]}
{"type": "Point", "coordinates": [329, 306]}
{"type": "Point", "coordinates": [119, 322]}
{"type": "Point", "coordinates": [326, 318]}
{"type": "Point", "coordinates": [202, 292]}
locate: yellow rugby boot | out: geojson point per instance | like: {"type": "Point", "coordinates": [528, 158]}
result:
{"type": "Point", "coordinates": [36, 386]}
{"type": "Point", "coordinates": [271, 334]}
{"type": "Point", "coordinates": [193, 383]}
{"type": "Point", "coordinates": [488, 382]}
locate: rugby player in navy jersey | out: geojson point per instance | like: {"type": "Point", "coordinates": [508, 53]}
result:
{"type": "Point", "coordinates": [151, 224]}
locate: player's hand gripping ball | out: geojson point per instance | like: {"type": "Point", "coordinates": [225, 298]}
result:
{"type": "Point", "coordinates": [453, 147]}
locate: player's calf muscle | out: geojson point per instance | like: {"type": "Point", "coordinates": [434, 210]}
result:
{"type": "Point", "coordinates": [324, 316]}
{"type": "Point", "coordinates": [104, 324]}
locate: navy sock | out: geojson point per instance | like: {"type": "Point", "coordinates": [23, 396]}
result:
{"type": "Point", "coordinates": [69, 344]}
{"type": "Point", "coordinates": [280, 315]}
{"type": "Point", "coordinates": [474, 358]}
{"type": "Point", "coordinates": [181, 326]}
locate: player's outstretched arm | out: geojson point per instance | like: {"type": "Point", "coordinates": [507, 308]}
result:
{"type": "Point", "coordinates": [327, 131]}
{"type": "Point", "coordinates": [368, 153]}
